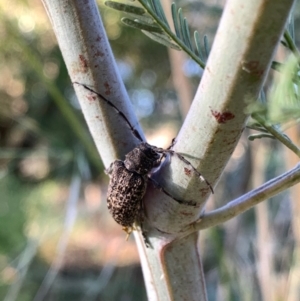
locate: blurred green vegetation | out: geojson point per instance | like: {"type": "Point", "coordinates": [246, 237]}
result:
{"type": "Point", "coordinates": [56, 240]}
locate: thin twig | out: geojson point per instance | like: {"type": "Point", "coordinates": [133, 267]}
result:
{"type": "Point", "coordinates": [247, 201]}
{"type": "Point", "coordinates": [278, 135]}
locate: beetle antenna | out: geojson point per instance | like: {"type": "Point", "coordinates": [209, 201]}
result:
{"type": "Point", "coordinates": [133, 130]}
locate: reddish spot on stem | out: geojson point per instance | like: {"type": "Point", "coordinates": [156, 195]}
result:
{"type": "Point", "coordinates": [83, 63]}
{"type": "Point", "coordinates": [222, 117]}
{"type": "Point", "coordinates": [91, 97]}
{"type": "Point", "coordinates": [253, 67]}
{"type": "Point", "coordinates": [98, 53]}
{"type": "Point", "coordinates": [107, 88]}
{"type": "Point", "coordinates": [187, 171]}
{"type": "Point", "coordinates": [187, 213]}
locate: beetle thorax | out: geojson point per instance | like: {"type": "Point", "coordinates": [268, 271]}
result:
{"type": "Point", "coordinates": [142, 159]}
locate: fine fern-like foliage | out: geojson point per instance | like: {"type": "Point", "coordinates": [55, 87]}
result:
{"type": "Point", "coordinates": [152, 21]}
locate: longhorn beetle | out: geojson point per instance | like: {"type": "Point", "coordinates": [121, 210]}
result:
{"type": "Point", "coordinates": [128, 178]}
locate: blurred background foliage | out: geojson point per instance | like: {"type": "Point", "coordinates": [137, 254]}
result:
{"type": "Point", "coordinates": [57, 241]}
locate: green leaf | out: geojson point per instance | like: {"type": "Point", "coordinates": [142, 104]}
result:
{"type": "Point", "coordinates": [181, 23]}
{"type": "Point", "coordinates": [134, 12]}
{"type": "Point", "coordinates": [206, 46]}
{"type": "Point", "coordinates": [260, 136]}
{"type": "Point", "coordinates": [187, 34]}
{"type": "Point", "coordinates": [198, 44]}
{"type": "Point", "coordinates": [175, 20]}
{"type": "Point", "coordinates": [125, 7]}
{"type": "Point", "coordinates": [162, 39]}
{"type": "Point", "coordinates": [160, 12]}
{"type": "Point", "coordinates": [141, 25]}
